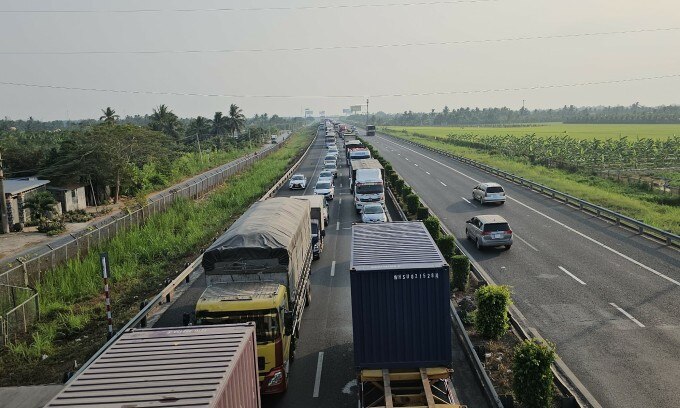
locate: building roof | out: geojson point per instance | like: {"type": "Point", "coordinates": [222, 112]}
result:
{"type": "Point", "coordinates": [20, 185]}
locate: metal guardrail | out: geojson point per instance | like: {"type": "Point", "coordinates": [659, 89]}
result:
{"type": "Point", "coordinates": [583, 205]}
{"type": "Point", "coordinates": [165, 296]}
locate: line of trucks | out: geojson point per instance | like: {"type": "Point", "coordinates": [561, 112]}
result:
{"type": "Point", "coordinates": [247, 321]}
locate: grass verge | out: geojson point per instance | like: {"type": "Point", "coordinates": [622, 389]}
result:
{"type": "Point", "coordinates": [72, 326]}
{"type": "Point", "coordinates": [637, 203]}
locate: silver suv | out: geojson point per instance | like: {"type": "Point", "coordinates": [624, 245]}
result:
{"type": "Point", "coordinates": [488, 193]}
{"type": "Point", "coordinates": [489, 231]}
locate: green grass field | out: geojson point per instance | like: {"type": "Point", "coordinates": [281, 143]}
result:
{"type": "Point", "coordinates": [577, 131]}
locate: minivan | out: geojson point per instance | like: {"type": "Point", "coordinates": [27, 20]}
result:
{"type": "Point", "coordinates": [489, 231]}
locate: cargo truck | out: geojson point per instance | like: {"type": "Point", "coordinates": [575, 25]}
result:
{"type": "Point", "coordinates": [258, 270]}
{"type": "Point", "coordinates": [370, 130]}
{"type": "Point", "coordinates": [213, 367]}
{"type": "Point", "coordinates": [368, 188]}
{"type": "Point", "coordinates": [318, 211]}
{"type": "Point", "coordinates": [357, 164]}
{"type": "Point", "coordinates": [400, 317]}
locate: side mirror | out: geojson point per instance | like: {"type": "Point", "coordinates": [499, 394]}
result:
{"type": "Point", "coordinates": [323, 233]}
{"type": "Point", "coordinates": [468, 221]}
{"type": "Point", "coordinates": [288, 323]}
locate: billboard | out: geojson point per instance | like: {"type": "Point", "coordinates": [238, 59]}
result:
{"type": "Point", "coordinates": [355, 108]}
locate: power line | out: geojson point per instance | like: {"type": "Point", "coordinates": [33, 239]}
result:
{"type": "Point", "coordinates": [347, 47]}
{"type": "Point", "coordinates": [454, 92]}
{"type": "Point", "coordinates": [236, 9]}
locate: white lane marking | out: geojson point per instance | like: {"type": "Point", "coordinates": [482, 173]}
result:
{"type": "Point", "coordinates": [415, 164]}
{"type": "Point", "coordinates": [572, 275]}
{"type": "Point", "coordinates": [628, 315]}
{"type": "Point", "coordinates": [466, 200]}
{"type": "Point", "coordinates": [442, 183]}
{"type": "Point", "coordinates": [337, 226]}
{"type": "Point", "coordinates": [428, 173]}
{"type": "Point", "coordinates": [593, 240]}
{"type": "Point", "coordinates": [313, 173]}
{"type": "Point", "coordinates": [340, 201]}
{"type": "Point", "coordinates": [333, 268]}
{"type": "Point", "coordinates": [317, 379]}
{"type": "Point", "coordinates": [347, 389]}
{"type": "Point", "coordinates": [523, 240]}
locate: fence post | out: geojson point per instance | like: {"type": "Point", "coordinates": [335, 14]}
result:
{"type": "Point", "coordinates": [105, 274]}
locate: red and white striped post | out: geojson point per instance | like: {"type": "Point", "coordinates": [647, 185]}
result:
{"type": "Point", "coordinates": [106, 273]}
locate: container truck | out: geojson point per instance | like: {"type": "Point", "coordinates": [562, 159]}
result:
{"type": "Point", "coordinates": [400, 317]}
{"type": "Point", "coordinates": [318, 211]}
{"type": "Point", "coordinates": [370, 130]}
{"type": "Point", "coordinates": [211, 367]}
{"type": "Point", "coordinates": [258, 270]}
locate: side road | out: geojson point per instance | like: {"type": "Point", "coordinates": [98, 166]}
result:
{"type": "Point", "coordinates": [44, 246]}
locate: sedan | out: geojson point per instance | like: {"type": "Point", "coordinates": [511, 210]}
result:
{"type": "Point", "coordinates": [332, 167]}
{"type": "Point", "coordinates": [326, 175]}
{"type": "Point", "coordinates": [372, 213]}
{"type": "Point", "coordinates": [298, 181]}
{"type": "Point", "coordinates": [325, 189]}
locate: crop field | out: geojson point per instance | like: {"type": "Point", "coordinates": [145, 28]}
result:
{"type": "Point", "coordinates": [576, 131]}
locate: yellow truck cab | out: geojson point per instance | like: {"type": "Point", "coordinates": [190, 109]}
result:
{"type": "Point", "coordinates": [258, 270]}
{"type": "Point", "coordinates": [266, 305]}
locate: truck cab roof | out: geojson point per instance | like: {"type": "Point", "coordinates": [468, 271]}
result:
{"type": "Point", "coordinates": [234, 296]}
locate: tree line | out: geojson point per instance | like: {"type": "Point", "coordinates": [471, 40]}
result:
{"type": "Point", "coordinates": [114, 157]}
{"type": "Point", "coordinates": [634, 113]}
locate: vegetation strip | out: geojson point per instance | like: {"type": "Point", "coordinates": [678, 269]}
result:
{"type": "Point", "coordinates": [141, 259]}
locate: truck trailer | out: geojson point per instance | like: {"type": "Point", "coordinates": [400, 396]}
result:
{"type": "Point", "coordinates": [400, 317]}
{"type": "Point", "coordinates": [212, 367]}
{"type": "Point", "coordinates": [318, 211]}
{"type": "Point", "coordinates": [258, 270]}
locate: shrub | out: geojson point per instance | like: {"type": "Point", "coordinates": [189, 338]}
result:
{"type": "Point", "coordinates": [460, 270]}
{"type": "Point", "coordinates": [446, 244]}
{"type": "Point", "coordinates": [398, 185]}
{"type": "Point", "coordinates": [432, 225]}
{"type": "Point", "coordinates": [422, 213]}
{"type": "Point", "coordinates": [406, 191]}
{"type": "Point", "coordinates": [412, 203]}
{"type": "Point", "coordinates": [393, 178]}
{"type": "Point", "coordinates": [388, 167]}
{"type": "Point", "coordinates": [51, 227]}
{"type": "Point", "coordinates": [532, 377]}
{"type": "Point", "coordinates": [491, 320]}
{"type": "Point", "coordinates": [77, 216]}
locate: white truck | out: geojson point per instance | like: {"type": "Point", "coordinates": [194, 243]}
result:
{"type": "Point", "coordinates": [368, 188]}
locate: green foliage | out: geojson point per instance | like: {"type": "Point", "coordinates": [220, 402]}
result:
{"type": "Point", "coordinates": [446, 244]}
{"type": "Point", "coordinates": [406, 191]}
{"type": "Point", "coordinates": [393, 179]}
{"type": "Point", "coordinates": [398, 185]}
{"type": "Point", "coordinates": [491, 319]}
{"type": "Point", "coordinates": [460, 272]}
{"type": "Point", "coordinates": [41, 205]}
{"type": "Point", "coordinates": [388, 167]}
{"type": "Point", "coordinates": [51, 227]}
{"type": "Point", "coordinates": [422, 213]}
{"type": "Point", "coordinates": [77, 216]}
{"type": "Point", "coordinates": [432, 225]}
{"type": "Point", "coordinates": [532, 377]}
{"type": "Point", "coordinates": [412, 203]}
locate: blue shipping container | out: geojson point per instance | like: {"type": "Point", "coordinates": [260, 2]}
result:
{"type": "Point", "coordinates": [400, 297]}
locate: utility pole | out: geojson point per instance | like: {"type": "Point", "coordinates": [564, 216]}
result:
{"type": "Point", "coordinates": [200, 152]}
{"type": "Point", "coordinates": [367, 112]}
{"type": "Point", "coordinates": [3, 204]}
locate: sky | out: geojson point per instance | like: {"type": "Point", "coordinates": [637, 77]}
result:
{"type": "Point", "coordinates": [467, 71]}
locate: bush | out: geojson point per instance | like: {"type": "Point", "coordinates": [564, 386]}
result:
{"type": "Point", "coordinates": [51, 227]}
{"type": "Point", "coordinates": [491, 320]}
{"type": "Point", "coordinates": [432, 225]}
{"type": "Point", "coordinates": [406, 191]}
{"type": "Point", "coordinates": [460, 271]}
{"type": "Point", "coordinates": [446, 244]}
{"type": "Point", "coordinates": [412, 203]}
{"type": "Point", "coordinates": [422, 213]}
{"type": "Point", "coordinates": [388, 168]}
{"type": "Point", "coordinates": [398, 185]}
{"type": "Point", "coordinates": [393, 178]}
{"type": "Point", "coordinates": [77, 216]}
{"type": "Point", "coordinates": [532, 378]}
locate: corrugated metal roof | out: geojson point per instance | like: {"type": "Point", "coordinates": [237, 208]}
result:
{"type": "Point", "coordinates": [393, 245]}
{"type": "Point", "coordinates": [15, 186]}
{"type": "Point", "coordinates": [160, 368]}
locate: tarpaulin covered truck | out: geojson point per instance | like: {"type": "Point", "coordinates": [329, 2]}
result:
{"type": "Point", "coordinates": [400, 316]}
{"type": "Point", "coordinates": [318, 210]}
{"type": "Point", "coordinates": [258, 270]}
{"type": "Point", "coordinates": [212, 367]}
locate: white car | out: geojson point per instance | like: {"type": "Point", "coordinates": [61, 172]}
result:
{"type": "Point", "coordinates": [325, 189]}
{"type": "Point", "coordinates": [489, 193]}
{"type": "Point", "coordinates": [326, 175]}
{"type": "Point", "coordinates": [298, 181]}
{"type": "Point", "coordinates": [372, 213]}
{"type": "Point", "coordinates": [332, 167]}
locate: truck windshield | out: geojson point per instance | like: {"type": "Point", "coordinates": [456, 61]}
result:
{"type": "Point", "coordinates": [369, 189]}
{"type": "Point", "coordinates": [266, 322]}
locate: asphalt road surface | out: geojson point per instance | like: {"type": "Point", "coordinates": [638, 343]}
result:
{"type": "Point", "coordinates": [608, 298]}
{"type": "Point", "coordinates": [322, 374]}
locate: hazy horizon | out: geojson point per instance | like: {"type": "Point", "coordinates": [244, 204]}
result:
{"type": "Point", "coordinates": [484, 63]}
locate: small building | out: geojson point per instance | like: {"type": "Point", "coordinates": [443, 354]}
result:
{"type": "Point", "coordinates": [71, 197]}
{"type": "Point", "coordinates": [16, 192]}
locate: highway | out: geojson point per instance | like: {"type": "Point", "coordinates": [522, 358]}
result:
{"type": "Point", "coordinates": [323, 374]}
{"type": "Point", "coordinates": [608, 298]}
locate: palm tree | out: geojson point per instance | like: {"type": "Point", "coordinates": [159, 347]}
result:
{"type": "Point", "coordinates": [109, 116]}
{"type": "Point", "coordinates": [200, 126]}
{"type": "Point", "coordinates": [236, 118]}
{"type": "Point", "coordinates": [164, 120]}
{"type": "Point", "coordinates": [220, 124]}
